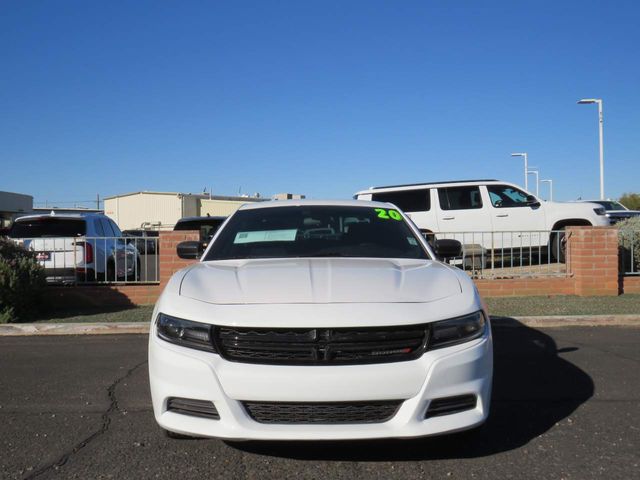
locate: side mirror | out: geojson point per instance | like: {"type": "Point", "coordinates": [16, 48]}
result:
{"type": "Point", "coordinates": [190, 250]}
{"type": "Point", "coordinates": [532, 201]}
{"type": "Point", "coordinates": [447, 248]}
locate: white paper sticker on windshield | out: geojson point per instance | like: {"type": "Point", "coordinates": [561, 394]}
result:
{"type": "Point", "coordinates": [266, 236]}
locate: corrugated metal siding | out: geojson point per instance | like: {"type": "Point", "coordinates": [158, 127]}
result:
{"type": "Point", "coordinates": [161, 210]}
{"type": "Point", "coordinates": [191, 206]}
{"type": "Point", "coordinates": [219, 207]}
{"type": "Point", "coordinates": [132, 211]}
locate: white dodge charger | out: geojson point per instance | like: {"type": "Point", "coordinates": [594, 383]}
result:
{"type": "Point", "coordinates": [310, 320]}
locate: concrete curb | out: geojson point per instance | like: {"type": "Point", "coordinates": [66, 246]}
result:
{"type": "Point", "coordinates": [26, 329]}
{"type": "Point", "coordinates": [568, 321]}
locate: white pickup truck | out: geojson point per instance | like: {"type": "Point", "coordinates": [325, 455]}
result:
{"type": "Point", "coordinates": [489, 213]}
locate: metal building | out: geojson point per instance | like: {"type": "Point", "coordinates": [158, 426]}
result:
{"type": "Point", "coordinates": [161, 210]}
{"type": "Point", "coordinates": [220, 205]}
{"type": "Point", "coordinates": [13, 205]}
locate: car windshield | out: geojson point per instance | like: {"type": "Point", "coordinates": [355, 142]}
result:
{"type": "Point", "coordinates": [48, 227]}
{"type": "Point", "coordinates": [316, 231]}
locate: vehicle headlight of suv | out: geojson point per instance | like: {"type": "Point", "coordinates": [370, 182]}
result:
{"type": "Point", "coordinates": [600, 211]}
{"type": "Point", "coordinates": [457, 330]}
{"type": "Point", "coordinates": [185, 332]}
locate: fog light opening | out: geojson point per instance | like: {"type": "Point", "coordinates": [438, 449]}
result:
{"type": "Point", "coordinates": [451, 405]}
{"type": "Point", "coordinates": [192, 407]}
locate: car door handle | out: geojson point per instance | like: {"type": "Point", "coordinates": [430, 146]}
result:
{"type": "Point", "coordinates": [503, 215]}
{"type": "Point", "coordinates": [448, 218]}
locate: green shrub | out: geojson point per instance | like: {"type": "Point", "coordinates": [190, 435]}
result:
{"type": "Point", "coordinates": [631, 201]}
{"type": "Point", "coordinates": [21, 282]}
{"type": "Point", "coordinates": [629, 242]}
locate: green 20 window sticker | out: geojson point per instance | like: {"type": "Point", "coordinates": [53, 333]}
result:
{"type": "Point", "coordinates": [387, 214]}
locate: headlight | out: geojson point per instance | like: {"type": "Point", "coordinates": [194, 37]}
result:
{"type": "Point", "coordinates": [457, 330]}
{"type": "Point", "coordinates": [184, 332]}
{"type": "Point", "coordinates": [600, 211]}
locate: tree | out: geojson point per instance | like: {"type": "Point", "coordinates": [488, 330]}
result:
{"type": "Point", "coordinates": [630, 200]}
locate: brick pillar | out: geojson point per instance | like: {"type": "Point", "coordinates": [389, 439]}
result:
{"type": "Point", "coordinates": [592, 258]}
{"type": "Point", "coordinates": [169, 260]}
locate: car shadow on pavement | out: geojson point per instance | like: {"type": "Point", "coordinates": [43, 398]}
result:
{"type": "Point", "coordinates": [533, 389]}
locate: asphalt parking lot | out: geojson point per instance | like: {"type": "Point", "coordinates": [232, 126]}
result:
{"type": "Point", "coordinates": [566, 405]}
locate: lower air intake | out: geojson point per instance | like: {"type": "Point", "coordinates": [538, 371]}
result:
{"type": "Point", "coordinates": [450, 405]}
{"type": "Point", "coordinates": [194, 408]}
{"type": "Point", "coordinates": [322, 413]}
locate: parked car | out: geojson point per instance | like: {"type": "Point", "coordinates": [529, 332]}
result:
{"type": "Point", "coordinates": [310, 320]}
{"type": "Point", "coordinates": [475, 206]}
{"type": "Point", "coordinates": [615, 211]}
{"type": "Point", "coordinates": [72, 247]}
{"type": "Point", "coordinates": [206, 225]}
{"type": "Point", "coordinates": [146, 241]}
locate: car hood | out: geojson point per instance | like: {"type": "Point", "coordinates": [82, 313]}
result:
{"type": "Point", "coordinates": [322, 280]}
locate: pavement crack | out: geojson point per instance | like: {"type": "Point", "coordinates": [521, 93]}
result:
{"type": "Point", "coordinates": [104, 427]}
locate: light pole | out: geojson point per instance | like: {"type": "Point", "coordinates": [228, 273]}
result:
{"type": "Point", "coordinates": [526, 168]}
{"type": "Point", "coordinates": [535, 172]}
{"type": "Point", "coordinates": [550, 182]}
{"type": "Point", "coordinates": [601, 135]}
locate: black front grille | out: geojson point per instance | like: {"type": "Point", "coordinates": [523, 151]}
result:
{"type": "Point", "coordinates": [321, 346]}
{"type": "Point", "coordinates": [322, 413]}
{"type": "Point", "coordinates": [192, 407]}
{"type": "Point", "coordinates": [449, 405]}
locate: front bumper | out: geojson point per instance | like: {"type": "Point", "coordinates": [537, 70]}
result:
{"type": "Point", "coordinates": [464, 369]}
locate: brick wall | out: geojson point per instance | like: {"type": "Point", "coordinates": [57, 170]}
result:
{"type": "Point", "coordinates": [101, 295]}
{"type": "Point", "coordinates": [593, 259]}
{"type": "Point", "coordinates": [630, 284]}
{"type": "Point", "coordinates": [521, 287]}
{"type": "Point", "coordinates": [170, 263]}
{"type": "Point", "coordinates": [592, 263]}
{"type": "Point", "coordinates": [592, 266]}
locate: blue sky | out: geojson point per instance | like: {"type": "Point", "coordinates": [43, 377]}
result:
{"type": "Point", "coordinates": [316, 97]}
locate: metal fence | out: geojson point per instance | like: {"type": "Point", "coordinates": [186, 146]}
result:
{"type": "Point", "coordinates": [629, 251]}
{"type": "Point", "coordinates": [491, 255]}
{"type": "Point", "coordinates": [535, 253]}
{"type": "Point", "coordinates": [93, 260]}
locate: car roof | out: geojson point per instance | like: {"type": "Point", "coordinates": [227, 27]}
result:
{"type": "Point", "coordinates": [68, 216]}
{"type": "Point", "coordinates": [203, 217]}
{"type": "Point", "coordinates": [410, 186]}
{"type": "Point", "coordinates": [313, 203]}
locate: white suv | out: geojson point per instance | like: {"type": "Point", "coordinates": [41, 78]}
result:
{"type": "Point", "coordinates": [488, 206]}
{"type": "Point", "coordinates": [77, 247]}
